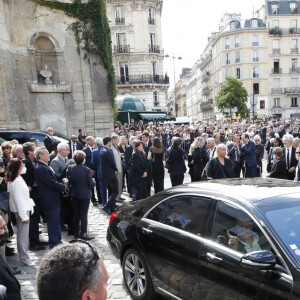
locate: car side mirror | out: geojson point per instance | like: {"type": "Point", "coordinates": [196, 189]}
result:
{"type": "Point", "coordinates": [259, 260]}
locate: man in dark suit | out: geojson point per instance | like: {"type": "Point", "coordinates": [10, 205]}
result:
{"type": "Point", "coordinates": [128, 155]}
{"type": "Point", "coordinates": [290, 156]}
{"type": "Point", "coordinates": [35, 244]}
{"type": "Point", "coordinates": [279, 168]}
{"type": "Point", "coordinates": [259, 153]}
{"type": "Point", "coordinates": [147, 144]}
{"type": "Point", "coordinates": [49, 141]}
{"type": "Point", "coordinates": [90, 142]}
{"type": "Point", "coordinates": [74, 145]}
{"type": "Point", "coordinates": [211, 151]}
{"type": "Point", "coordinates": [109, 173]}
{"type": "Point", "coordinates": [234, 155]}
{"type": "Point", "coordinates": [248, 150]}
{"type": "Point", "coordinates": [50, 190]}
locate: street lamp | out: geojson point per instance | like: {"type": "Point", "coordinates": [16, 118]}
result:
{"type": "Point", "coordinates": [179, 58]}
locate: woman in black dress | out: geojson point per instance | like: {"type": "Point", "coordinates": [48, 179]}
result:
{"type": "Point", "coordinates": [156, 155]}
{"type": "Point", "coordinates": [199, 157]}
{"type": "Point", "coordinates": [139, 166]}
{"type": "Point", "coordinates": [122, 148]}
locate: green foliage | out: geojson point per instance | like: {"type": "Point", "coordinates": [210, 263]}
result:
{"type": "Point", "coordinates": [233, 94]}
{"type": "Point", "coordinates": [92, 34]}
{"type": "Point", "coordinates": [276, 31]}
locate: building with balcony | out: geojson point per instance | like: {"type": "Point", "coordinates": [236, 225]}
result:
{"type": "Point", "coordinates": [137, 50]}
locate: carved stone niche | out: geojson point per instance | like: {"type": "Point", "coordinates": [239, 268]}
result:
{"type": "Point", "coordinates": [44, 50]}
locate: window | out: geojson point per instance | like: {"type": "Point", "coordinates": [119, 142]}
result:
{"type": "Point", "coordinates": [235, 229]}
{"type": "Point", "coordinates": [151, 16]}
{"type": "Point", "coordinates": [294, 46]}
{"type": "Point", "coordinates": [294, 65]}
{"type": "Point", "coordinates": [276, 44]}
{"type": "Point", "coordinates": [238, 73]}
{"type": "Point", "coordinates": [276, 102]}
{"type": "Point", "coordinates": [237, 41]}
{"type": "Point", "coordinates": [255, 40]}
{"type": "Point", "coordinates": [294, 102]}
{"type": "Point", "coordinates": [293, 7]}
{"type": "Point", "coordinates": [274, 9]}
{"type": "Point", "coordinates": [119, 15]}
{"type": "Point", "coordinates": [254, 23]}
{"type": "Point", "coordinates": [226, 73]}
{"type": "Point", "coordinates": [188, 213]}
{"type": "Point", "coordinates": [275, 23]}
{"type": "Point", "coordinates": [276, 83]}
{"type": "Point", "coordinates": [234, 25]}
{"type": "Point", "coordinates": [124, 74]}
{"type": "Point", "coordinates": [255, 56]}
{"type": "Point", "coordinates": [262, 104]}
{"type": "Point", "coordinates": [227, 43]}
{"type": "Point", "coordinates": [156, 214]}
{"type": "Point", "coordinates": [294, 82]}
{"type": "Point", "coordinates": [121, 39]}
{"type": "Point", "coordinates": [237, 58]}
{"type": "Point", "coordinates": [255, 88]}
{"type": "Point", "coordinates": [152, 39]}
{"type": "Point", "coordinates": [276, 65]}
{"type": "Point", "coordinates": [227, 60]}
{"type": "Point", "coordinates": [294, 24]}
{"type": "Point", "coordinates": [255, 72]}
{"type": "Point", "coordinates": [155, 98]}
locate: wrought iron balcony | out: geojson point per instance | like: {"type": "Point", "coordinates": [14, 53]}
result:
{"type": "Point", "coordinates": [119, 20]}
{"type": "Point", "coordinates": [122, 49]}
{"type": "Point", "coordinates": [143, 79]}
{"type": "Point", "coordinates": [276, 50]}
{"type": "Point", "coordinates": [205, 76]}
{"type": "Point", "coordinates": [151, 21]}
{"type": "Point", "coordinates": [207, 104]}
{"type": "Point", "coordinates": [294, 70]}
{"type": "Point", "coordinates": [206, 90]}
{"type": "Point", "coordinates": [154, 49]}
{"type": "Point", "coordinates": [294, 50]}
{"type": "Point", "coordinates": [276, 71]}
{"type": "Point", "coordinates": [276, 91]}
{"type": "Point", "coordinates": [292, 90]}
{"type": "Point", "coordinates": [255, 59]}
{"type": "Point", "coordinates": [255, 75]}
{"type": "Point", "coordinates": [205, 61]}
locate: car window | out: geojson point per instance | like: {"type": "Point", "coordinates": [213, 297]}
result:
{"type": "Point", "coordinates": [19, 136]}
{"type": "Point", "coordinates": [188, 213]}
{"type": "Point", "coordinates": [40, 137]}
{"type": "Point", "coordinates": [237, 230]}
{"type": "Point", "coordinates": [156, 214]}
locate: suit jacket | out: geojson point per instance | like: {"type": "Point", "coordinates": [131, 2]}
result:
{"type": "Point", "coordinates": [294, 161]}
{"type": "Point", "coordinates": [128, 154]}
{"type": "Point", "coordinates": [177, 163]}
{"type": "Point", "coordinates": [215, 170]}
{"type": "Point", "coordinates": [50, 143]}
{"type": "Point", "coordinates": [259, 153]}
{"type": "Point", "coordinates": [29, 175]}
{"type": "Point", "coordinates": [208, 153]}
{"type": "Point", "coordinates": [78, 147]}
{"type": "Point", "coordinates": [96, 160]}
{"type": "Point", "coordinates": [9, 281]}
{"type": "Point", "coordinates": [107, 165]}
{"type": "Point", "coordinates": [248, 151]}
{"type": "Point", "coordinates": [88, 158]}
{"type": "Point", "coordinates": [81, 181]}
{"type": "Point", "coordinates": [50, 189]}
{"type": "Point", "coordinates": [200, 160]}
{"type": "Point", "coordinates": [231, 151]}
{"type": "Point", "coordinates": [57, 164]}
{"type": "Point", "coordinates": [139, 165]}
{"type": "Point", "coordinates": [118, 158]}
{"type": "Point", "coordinates": [147, 147]}
{"type": "Point", "coordinates": [279, 169]}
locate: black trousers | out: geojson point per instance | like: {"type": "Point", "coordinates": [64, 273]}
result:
{"type": "Point", "coordinates": [81, 208]}
{"type": "Point", "coordinates": [34, 218]}
{"type": "Point", "coordinates": [237, 169]}
{"type": "Point", "coordinates": [177, 179]}
{"type": "Point", "coordinates": [112, 186]}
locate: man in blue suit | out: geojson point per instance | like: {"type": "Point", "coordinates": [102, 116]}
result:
{"type": "Point", "coordinates": [234, 155]}
{"type": "Point", "coordinates": [96, 164]}
{"type": "Point", "coordinates": [248, 150]}
{"type": "Point", "coordinates": [50, 190]}
{"type": "Point", "coordinates": [109, 171]}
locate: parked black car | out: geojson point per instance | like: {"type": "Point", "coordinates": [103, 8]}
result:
{"type": "Point", "coordinates": [222, 239]}
{"type": "Point", "coordinates": [23, 136]}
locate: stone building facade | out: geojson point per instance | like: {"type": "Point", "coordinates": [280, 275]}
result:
{"type": "Point", "coordinates": [33, 41]}
{"type": "Point", "coordinates": [137, 50]}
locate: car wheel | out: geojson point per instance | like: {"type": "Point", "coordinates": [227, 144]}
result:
{"type": "Point", "coordinates": [136, 276]}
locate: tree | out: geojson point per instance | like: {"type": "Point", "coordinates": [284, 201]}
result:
{"type": "Point", "coordinates": [233, 94]}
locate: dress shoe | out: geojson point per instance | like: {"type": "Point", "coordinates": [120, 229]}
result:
{"type": "Point", "coordinates": [107, 210]}
{"type": "Point", "coordinates": [28, 263]}
{"type": "Point", "coordinates": [15, 270]}
{"type": "Point", "coordinates": [36, 247]}
{"type": "Point", "coordinates": [86, 237]}
{"type": "Point", "coordinates": [64, 228]}
{"type": "Point", "coordinates": [77, 236]}
{"type": "Point", "coordinates": [95, 204]}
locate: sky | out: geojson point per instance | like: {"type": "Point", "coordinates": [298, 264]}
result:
{"type": "Point", "coordinates": [186, 25]}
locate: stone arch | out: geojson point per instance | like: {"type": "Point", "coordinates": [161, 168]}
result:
{"type": "Point", "coordinates": [47, 38]}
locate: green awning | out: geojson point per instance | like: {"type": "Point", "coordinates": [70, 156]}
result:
{"type": "Point", "coordinates": [154, 117]}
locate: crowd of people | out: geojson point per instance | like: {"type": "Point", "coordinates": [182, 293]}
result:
{"type": "Point", "coordinates": [55, 183]}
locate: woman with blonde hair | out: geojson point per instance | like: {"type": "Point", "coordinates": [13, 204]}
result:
{"type": "Point", "coordinates": [191, 162]}
{"type": "Point", "coordinates": [199, 157]}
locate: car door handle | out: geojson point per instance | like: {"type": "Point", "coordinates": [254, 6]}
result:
{"type": "Point", "coordinates": [212, 257]}
{"type": "Point", "coordinates": [146, 230]}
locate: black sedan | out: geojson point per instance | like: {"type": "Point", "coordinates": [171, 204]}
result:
{"type": "Point", "coordinates": [222, 239]}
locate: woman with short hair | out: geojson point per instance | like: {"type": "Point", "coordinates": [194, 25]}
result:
{"type": "Point", "coordinates": [200, 158]}
{"type": "Point", "coordinates": [279, 168]}
{"type": "Point", "coordinates": [81, 184]}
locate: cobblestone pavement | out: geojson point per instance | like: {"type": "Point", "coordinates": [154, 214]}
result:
{"type": "Point", "coordinates": [98, 222]}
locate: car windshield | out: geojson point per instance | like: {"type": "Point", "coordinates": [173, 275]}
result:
{"type": "Point", "coordinates": [285, 219]}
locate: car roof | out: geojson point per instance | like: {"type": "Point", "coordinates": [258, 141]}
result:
{"type": "Point", "coordinates": [255, 191]}
{"type": "Point", "coordinates": [22, 130]}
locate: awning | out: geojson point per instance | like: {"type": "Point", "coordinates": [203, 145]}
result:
{"type": "Point", "coordinates": [154, 117]}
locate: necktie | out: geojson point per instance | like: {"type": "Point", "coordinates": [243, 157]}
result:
{"type": "Point", "coordinates": [237, 155]}
{"type": "Point", "coordinates": [288, 158]}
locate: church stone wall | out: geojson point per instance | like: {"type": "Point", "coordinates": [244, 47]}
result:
{"type": "Point", "coordinates": [31, 37]}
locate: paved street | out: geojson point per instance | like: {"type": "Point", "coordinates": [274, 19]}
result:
{"type": "Point", "coordinates": [98, 222]}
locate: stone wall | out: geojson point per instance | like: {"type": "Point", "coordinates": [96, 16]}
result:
{"type": "Point", "coordinates": [30, 38]}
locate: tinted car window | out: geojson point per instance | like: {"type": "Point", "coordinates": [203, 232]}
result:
{"type": "Point", "coordinates": [237, 230]}
{"type": "Point", "coordinates": [40, 137]}
{"type": "Point", "coordinates": [20, 136]}
{"type": "Point", "coordinates": [156, 214]}
{"type": "Point", "coordinates": [188, 213]}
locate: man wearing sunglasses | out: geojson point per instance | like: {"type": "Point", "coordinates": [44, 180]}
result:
{"type": "Point", "coordinates": [72, 271]}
